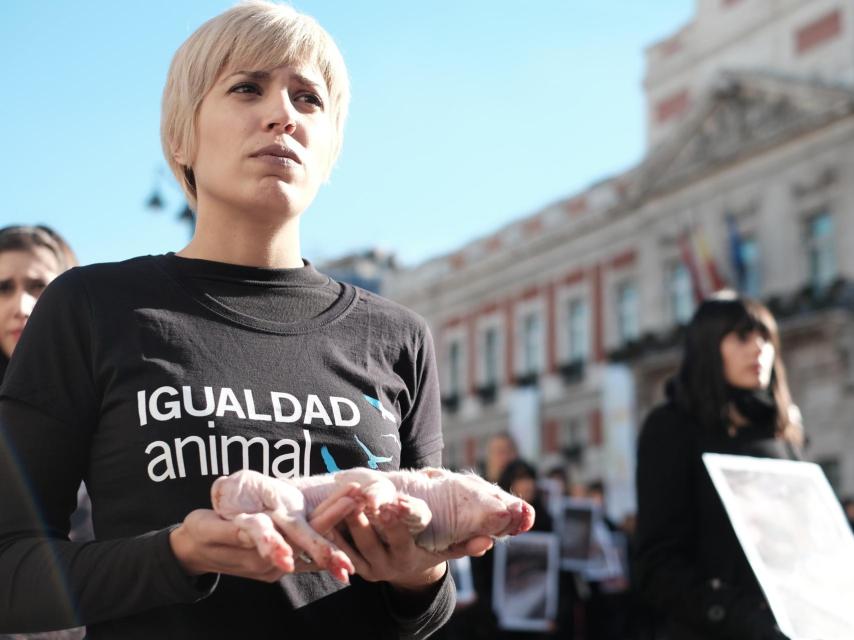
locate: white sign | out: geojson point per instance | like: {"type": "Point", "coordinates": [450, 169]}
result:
{"type": "Point", "coordinates": [796, 538]}
{"type": "Point", "coordinates": [618, 410]}
{"type": "Point", "coordinates": [525, 421]}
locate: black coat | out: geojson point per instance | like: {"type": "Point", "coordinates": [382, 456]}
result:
{"type": "Point", "coordinates": [690, 565]}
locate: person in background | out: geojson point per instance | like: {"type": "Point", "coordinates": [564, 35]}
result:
{"type": "Point", "coordinates": [477, 620]}
{"type": "Point", "coordinates": [559, 475]}
{"type": "Point", "coordinates": [501, 449]}
{"type": "Point", "coordinates": [30, 258]}
{"type": "Point", "coordinates": [729, 396]}
{"type": "Point", "coordinates": [520, 479]}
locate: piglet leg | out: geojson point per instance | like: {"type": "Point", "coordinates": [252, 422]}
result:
{"type": "Point", "coordinates": [413, 512]}
{"type": "Point", "coordinates": [268, 541]}
{"type": "Point", "coordinates": [341, 503]}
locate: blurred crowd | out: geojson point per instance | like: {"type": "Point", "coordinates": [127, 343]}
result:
{"type": "Point", "coordinates": [588, 609]}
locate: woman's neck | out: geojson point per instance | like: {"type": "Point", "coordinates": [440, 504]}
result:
{"type": "Point", "coordinates": [245, 240]}
{"type": "Point", "coordinates": [735, 418]}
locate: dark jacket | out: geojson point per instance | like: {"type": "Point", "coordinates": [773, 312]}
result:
{"type": "Point", "coordinates": [690, 564]}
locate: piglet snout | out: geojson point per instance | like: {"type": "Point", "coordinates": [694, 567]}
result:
{"type": "Point", "coordinates": [515, 518]}
{"type": "Point", "coordinates": [523, 517]}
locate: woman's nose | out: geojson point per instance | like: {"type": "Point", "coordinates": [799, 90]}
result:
{"type": "Point", "coordinates": [24, 303]}
{"type": "Point", "coordinates": [283, 114]}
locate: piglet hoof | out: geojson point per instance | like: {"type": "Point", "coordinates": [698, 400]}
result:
{"type": "Point", "coordinates": [414, 513]}
{"type": "Point", "coordinates": [268, 542]}
{"type": "Point", "coordinates": [522, 517]}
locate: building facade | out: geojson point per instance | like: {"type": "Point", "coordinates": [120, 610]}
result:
{"type": "Point", "coordinates": [748, 180]}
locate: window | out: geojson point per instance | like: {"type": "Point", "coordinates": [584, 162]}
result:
{"type": "Point", "coordinates": [627, 312]}
{"type": "Point", "coordinates": [680, 292]}
{"type": "Point", "coordinates": [576, 433]}
{"type": "Point", "coordinates": [531, 343]}
{"type": "Point", "coordinates": [454, 373]}
{"type": "Point", "coordinates": [750, 283]}
{"type": "Point", "coordinates": [578, 324]}
{"type": "Point", "coordinates": [490, 357]}
{"type": "Point", "coordinates": [822, 258]}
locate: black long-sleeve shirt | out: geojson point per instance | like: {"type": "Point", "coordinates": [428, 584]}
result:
{"type": "Point", "coordinates": [151, 377]}
{"type": "Point", "coordinates": [690, 564]}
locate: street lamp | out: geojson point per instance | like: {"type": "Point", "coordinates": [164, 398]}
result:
{"type": "Point", "coordinates": [156, 201]}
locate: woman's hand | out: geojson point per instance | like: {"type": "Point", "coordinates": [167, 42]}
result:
{"type": "Point", "coordinates": [398, 560]}
{"type": "Point", "coordinates": [207, 543]}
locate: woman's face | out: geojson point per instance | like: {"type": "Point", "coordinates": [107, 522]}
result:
{"type": "Point", "coordinates": [499, 453]}
{"type": "Point", "coordinates": [525, 488]}
{"type": "Point", "coordinates": [265, 140]}
{"type": "Point", "coordinates": [23, 276]}
{"type": "Point", "coordinates": [748, 360]}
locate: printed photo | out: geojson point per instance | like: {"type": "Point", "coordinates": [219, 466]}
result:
{"type": "Point", "coordinates": [796, 538]}
{"type": "Point", "coordinates": [525, 582]}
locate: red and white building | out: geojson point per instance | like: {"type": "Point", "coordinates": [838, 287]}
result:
{"type": "Point", "coordinates": [751, 137]}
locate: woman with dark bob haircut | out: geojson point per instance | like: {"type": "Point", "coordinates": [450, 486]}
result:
{"type": "Point", "coordinates": [730, 396]}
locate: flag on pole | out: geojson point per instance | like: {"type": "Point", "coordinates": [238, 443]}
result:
{"type": "Point", "coordinates": [736, 252]}
{"type": "Point", "coordinates": [689, 259]}
{"type": "Point", "coordinates": [716, 282]}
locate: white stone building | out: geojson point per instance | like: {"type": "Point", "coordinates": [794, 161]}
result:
{"type": "Point", "coordinates": [750, 128]}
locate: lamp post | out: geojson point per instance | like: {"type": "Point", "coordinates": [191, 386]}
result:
{"type": "Point", "coordinates": [156, 201]}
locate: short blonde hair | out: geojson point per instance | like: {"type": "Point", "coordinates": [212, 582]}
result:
{"type": "Point", "coordinates": [256, 35]}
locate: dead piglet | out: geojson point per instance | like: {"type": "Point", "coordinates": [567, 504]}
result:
{"type": "Point", "coordinates": [381, 496]}
{"type": "Point", "coordinates": [441, 508]}
{"type": "Point", "coordinates": [463, 505]}
{"type": "Point", "coordinates": [258, 505]}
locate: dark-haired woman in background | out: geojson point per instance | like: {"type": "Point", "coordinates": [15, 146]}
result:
{"type": "Point", "coordinates": [520, 479]}
{"type": "Point", "coordinates": [730, 396]}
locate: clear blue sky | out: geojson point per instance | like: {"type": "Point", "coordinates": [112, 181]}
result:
{"type": "Point", "coordinates": [465, 115]}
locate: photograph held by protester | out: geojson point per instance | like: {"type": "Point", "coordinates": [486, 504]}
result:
{"type": "Point", "coordinates": [114, 378]}
{"type": "Point", "coordinates": [730, 396]}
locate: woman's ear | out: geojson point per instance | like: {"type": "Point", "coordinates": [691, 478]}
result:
{"type": "Point", "coordinates": [179, 156]}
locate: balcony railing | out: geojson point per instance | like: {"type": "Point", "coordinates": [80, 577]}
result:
{"type": "Point", "coordinates": [487, 392]}
{"type": "Point", "coordinates": [572, 372]}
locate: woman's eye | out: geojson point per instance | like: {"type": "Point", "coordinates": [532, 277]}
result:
{"type": "Point", "coordinates": [6, 287]}
{"type": "Point", "coordinates": [312, 99]}
{"type": "Point", "coordinates": [246, 87]}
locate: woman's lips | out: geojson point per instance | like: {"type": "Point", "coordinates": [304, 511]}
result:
{"type": "Point", "coordinates": [277, 161]}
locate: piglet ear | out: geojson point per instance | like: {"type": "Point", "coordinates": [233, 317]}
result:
{"type": "Point", "coordinates": [434, 472]}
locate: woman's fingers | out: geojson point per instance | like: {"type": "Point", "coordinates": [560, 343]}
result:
{"type": "Point", "coordinates": [205, 543]}
{"type": "Point", "coordinates": [349, 489]}
{"type": "Point", "coordinates": [476, 547]}
{"type": "Point", "coordinates": [333, 514]}
{"type": "Point", "coordinates": [359, 563]}
{"type": "Point", "coordinates": [364, 536]}
{"type": "Point", "coordinates": [397, 533]}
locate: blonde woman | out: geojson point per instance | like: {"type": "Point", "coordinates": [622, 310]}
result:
{"type": "Point", "coordinates": [164, 372]}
